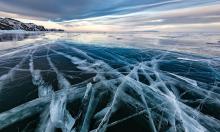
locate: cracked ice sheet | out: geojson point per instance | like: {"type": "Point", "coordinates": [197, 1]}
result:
{"type": "Point", "coordinates": [61, 85]}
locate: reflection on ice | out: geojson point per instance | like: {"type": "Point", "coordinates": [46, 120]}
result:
{"type": "Point", "coordinates": [14, 36]}
{"type": "Point", "coordinates": [196, 43]}
{"type": "Point", "coordinates": [59, 85]}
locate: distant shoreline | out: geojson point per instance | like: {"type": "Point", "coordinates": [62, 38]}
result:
{"type": "Point", "coordinates": [24, 31]}
{"type": "Point", "coordinates": [7, 24]}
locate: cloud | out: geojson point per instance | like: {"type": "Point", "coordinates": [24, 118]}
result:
{"type": "Point", "coordinates": [115, 15]}
{"type": "Point", "coordinates": [59, 10]}
{"type": "Point", "coordinates": [188, 18]}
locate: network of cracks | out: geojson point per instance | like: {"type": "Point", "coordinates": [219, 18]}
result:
{"type": "Point", "coordinates": [68, 87]}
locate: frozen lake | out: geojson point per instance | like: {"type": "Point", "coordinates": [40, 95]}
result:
{"type": "Point", "coordinates": [146, 81]}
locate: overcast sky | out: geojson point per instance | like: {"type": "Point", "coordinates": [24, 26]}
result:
{"type": "Point", "coordinates": [117, 15]}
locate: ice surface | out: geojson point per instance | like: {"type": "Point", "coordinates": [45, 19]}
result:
{"type": "Point", "coordinates": [64, 86]}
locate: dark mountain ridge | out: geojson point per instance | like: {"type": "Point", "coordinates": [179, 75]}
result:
{"type": "Point", "coordinates": [12, 24]}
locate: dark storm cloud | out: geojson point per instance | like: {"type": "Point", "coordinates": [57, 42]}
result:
{"type": "Point", "coordinates": [75, 9]}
